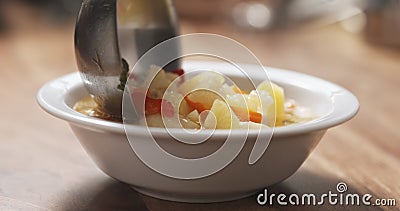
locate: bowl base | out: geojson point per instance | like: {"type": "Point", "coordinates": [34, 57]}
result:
{"type": "Point", "coordinates": [192, 199]}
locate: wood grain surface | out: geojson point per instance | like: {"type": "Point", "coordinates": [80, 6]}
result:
{"type": "Point", "coordinates": [43, 167]}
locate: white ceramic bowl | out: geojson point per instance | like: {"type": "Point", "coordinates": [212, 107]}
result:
{"type": "Point", "coordinates": [107, 144]}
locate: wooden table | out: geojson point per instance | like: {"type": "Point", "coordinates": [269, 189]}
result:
{"type": "Point", "coordinates": [42, 165]}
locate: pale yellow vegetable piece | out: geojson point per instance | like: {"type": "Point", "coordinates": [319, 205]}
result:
{"type": "Point", "coordinates": [184, 108]}
{"type": "Point", "coordinates": [246, 102]}
{"type": "Point", "coordinates": [279, 100]}
{"type": "Point", "coordinates": [202, 100]}
{"type": "Point", "coordinates": [224, 116]}
{"type": "Point", "coordinates": [207, 80]}
{"type": "Point", "coordinates": [161, 81]}
{"type": "Point", "coordinates": [252, 125]}
{"type": "Point", "coordinates": [194, 116]}
{"type": "Point", "coordinates": [189, 124]}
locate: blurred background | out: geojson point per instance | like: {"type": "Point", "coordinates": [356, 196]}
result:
{"type": "Point", "coordinates": [38, 34]}
{"type": "Point", "coordinates": [377, 19]}
{"type": "Point", "coordinates": [46, 26]}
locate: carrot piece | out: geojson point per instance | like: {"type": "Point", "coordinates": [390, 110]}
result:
{"type": "Point", "coordinates": [245, 115]}
{"type": "Point", "coordinates": [151, 105]}
{"type": "Point", "coordinates": [196, 105]}
{"type": "Point", "coordinates": [255, 117]}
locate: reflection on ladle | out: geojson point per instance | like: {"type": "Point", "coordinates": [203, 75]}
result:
{"type": "Point", "coordinates": [111, 35]}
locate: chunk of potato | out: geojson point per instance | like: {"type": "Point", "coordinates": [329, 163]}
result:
{"type": "Point", "coordinates": [224, 116]}
{"type": "Point", "coordinates": [278, 95]}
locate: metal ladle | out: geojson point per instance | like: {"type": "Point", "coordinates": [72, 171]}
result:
{"type": "Point", "coordinates": [103, 28]}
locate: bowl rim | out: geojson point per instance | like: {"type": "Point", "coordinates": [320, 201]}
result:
{"type": "Point", "coordinates": [51, 98]}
